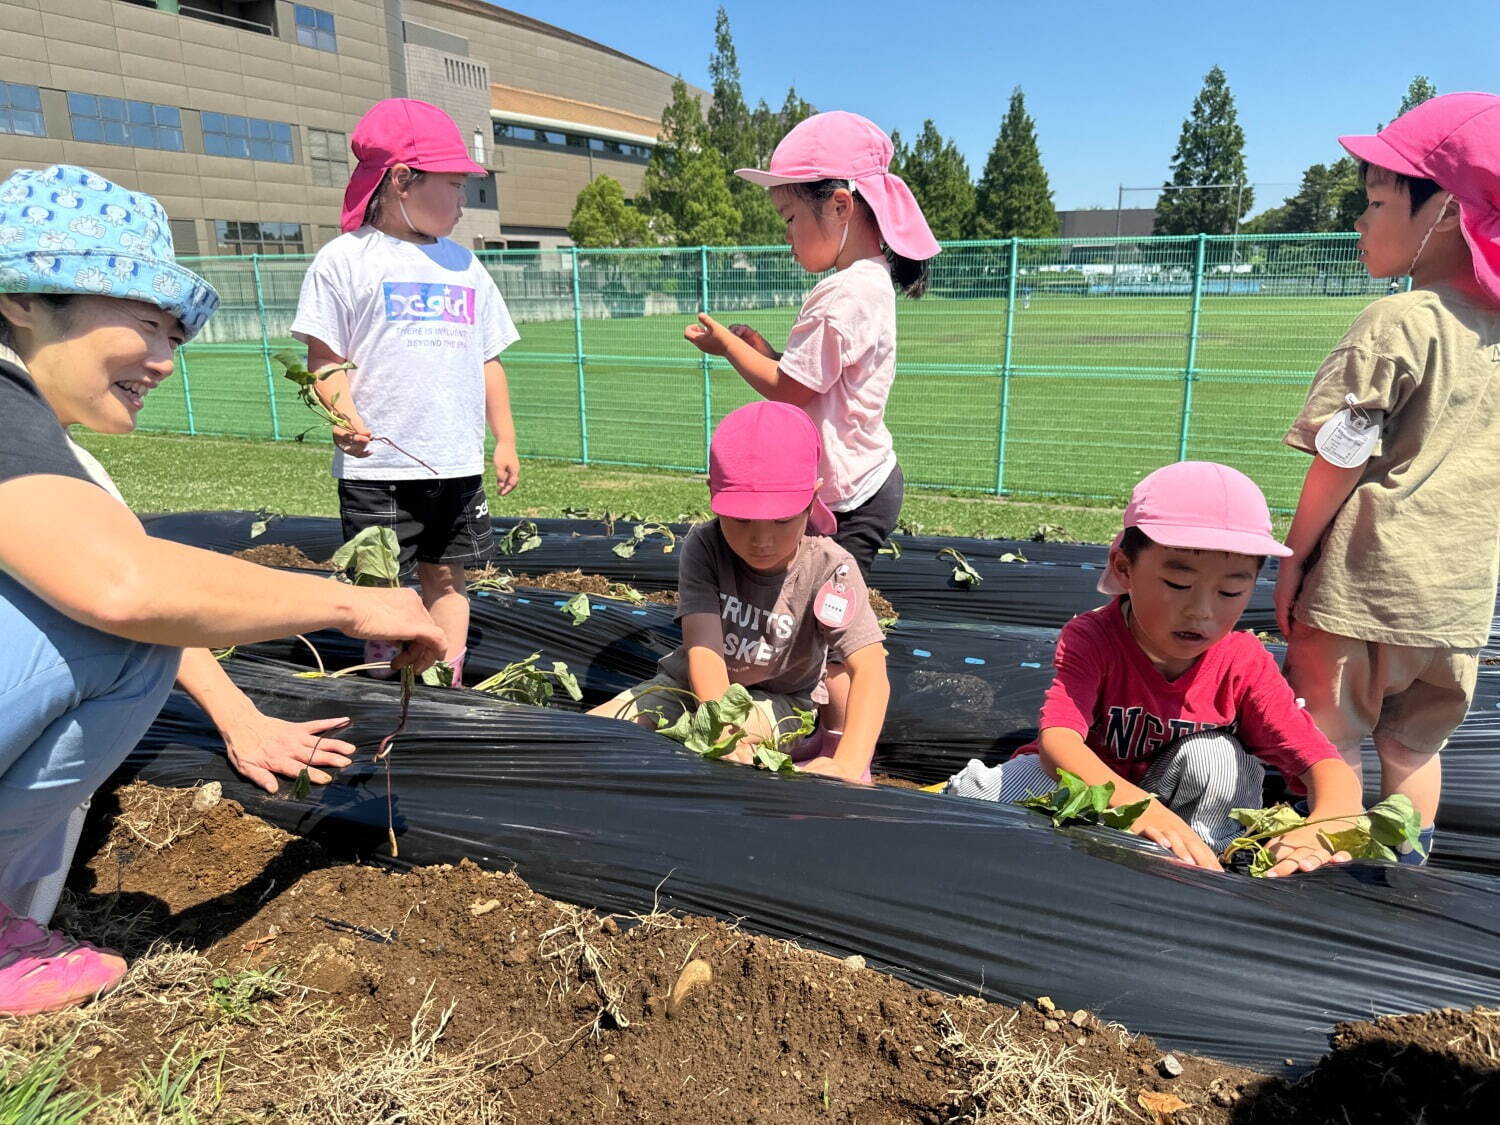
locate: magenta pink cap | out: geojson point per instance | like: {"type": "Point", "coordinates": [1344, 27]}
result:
{"type": "Point", "coordinates": [763, 465]}
{"type": "Point", "coordinates": [401, 131]}
{"type": "Point", "coordinates": [1201, 506]}
{"type": "Point", "coordinates": [845, 146]}
{"type": "Point", "coordinates": [1453, 140]}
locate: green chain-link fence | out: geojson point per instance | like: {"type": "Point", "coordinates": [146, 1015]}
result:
{"type": "Point", "coordinates": [1032, 367]}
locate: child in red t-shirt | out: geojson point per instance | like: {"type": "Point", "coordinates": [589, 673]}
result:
{"type": "Point", "coordinates": [1157, 693]}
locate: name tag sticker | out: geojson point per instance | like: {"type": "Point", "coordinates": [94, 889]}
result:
{"type": "Point", "coordinates": [1348, 438]}
{"type": "Point", "coordinates": [831, 607]}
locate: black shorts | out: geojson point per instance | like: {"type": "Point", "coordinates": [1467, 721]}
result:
{"type": "Point", "coordinates": [864, 530]}
{"type": "Point", "coordinates": [435, 521]}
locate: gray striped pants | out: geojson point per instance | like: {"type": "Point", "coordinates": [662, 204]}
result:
{"type": "Point", "coordinates": [1200, 777]}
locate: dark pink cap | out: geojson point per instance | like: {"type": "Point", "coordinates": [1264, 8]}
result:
{"type": "Point", "coordinates": [1453, 140]}
{"type": "Point", "coordinates": [401, 131]}
{"type": "Point", "coordinates": [763, 465]}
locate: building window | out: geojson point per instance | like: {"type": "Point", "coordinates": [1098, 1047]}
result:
{"type": "Point", "coordinates": [115, 121]}
{"type": "Point", "coordinates": [526, 134]}
{"type": "Point", "coordinates": [248, 138]}
{"type": "Point", "coordinates": [315, 28]}
{"type": "Point", "coordinates": [479, 193]}
{"type": "Point", "coordinates": [21, 110]}
{"type": "Point", "coordinates": [258, 238]}
{"type": "Point", "coordinates": [328, 153]}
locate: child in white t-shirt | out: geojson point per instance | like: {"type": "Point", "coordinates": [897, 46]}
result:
{"type": "Point", "coordinates": [423, 323]}
{"type": "Point", "coordinates": [844, 210]}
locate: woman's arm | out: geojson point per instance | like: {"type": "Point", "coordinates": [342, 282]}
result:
{"type": "Point", "coordinates": [260, 746]}
{"type": "Point", "coordinates": [120, 580]}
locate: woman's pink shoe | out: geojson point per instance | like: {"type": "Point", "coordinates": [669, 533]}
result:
{"type": "Point", "coordinates": [42, 970]}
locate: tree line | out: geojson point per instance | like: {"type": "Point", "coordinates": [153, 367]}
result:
{"type": "Point", "coordinates": [691, 196]}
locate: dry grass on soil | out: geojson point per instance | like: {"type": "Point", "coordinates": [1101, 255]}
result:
{"type": "Point", "coordinates": [271, 983]}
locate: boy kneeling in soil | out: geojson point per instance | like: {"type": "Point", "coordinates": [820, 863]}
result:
{"type": "Point", "coordinates": [1158, 694]}
{"type": "Point", "coordinates": [764, 596]}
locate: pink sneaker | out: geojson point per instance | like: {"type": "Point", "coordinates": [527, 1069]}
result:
{"type": "Point", "coordinates": [42, 970]}
{"type": "Point", "coordinates": [376, 651]}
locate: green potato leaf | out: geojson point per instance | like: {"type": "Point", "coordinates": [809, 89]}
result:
{"type": "Point", "coordinates": [1123, 816]}
{"type": "Point", "coordinates": [439, 675]}
{"type": "Point", "coordinates": [777, 761]}
{"type": "Point", "coordinates": [1395, 821]}
{"type": "Point", "coordinates": [1358, 843]}
{"type": "Point", "coordinates": [1268, 822]}
{"type": "Point", "coordinates": [963, 573]}
{"type": "Point", "coordinates": [577, 607]}
{"type": "Point", "coordinates": [302, 786]}
{"type": "Point", "coordinates": [567, 679]}
{"type": "Point", "coordinates": [371, 558]}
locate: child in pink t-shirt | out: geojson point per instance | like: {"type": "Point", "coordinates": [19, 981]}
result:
{"type": "Point", "coordinates": [1157, 693]}
{"type": "Point", "coordinates": [844, 211]}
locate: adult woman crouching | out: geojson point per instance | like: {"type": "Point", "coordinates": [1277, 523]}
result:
{"type": "Point", "coordinates": [96, 617]}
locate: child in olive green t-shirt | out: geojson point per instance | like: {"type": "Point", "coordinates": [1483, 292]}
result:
{"type": "Point", "coordinates": [1389, 593]}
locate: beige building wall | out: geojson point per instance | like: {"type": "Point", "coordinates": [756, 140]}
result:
{"type": "Point", "coordinates": [465, 55]}
{"type": "Point", "coordinates": [126, 50]}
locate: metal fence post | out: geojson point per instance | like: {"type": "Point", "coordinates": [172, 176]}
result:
{"type": "Point", "coordinates": [583, 404]}
{"type": "Point", "coordinates": [1190, 372]}
{"type": "Point", "coordinates": [187, 390]}
{"type": "Point", "coordinates": [708, 412]}
{"type": "Point", "coordinates": [265, 348]}
{"type": "Point", "coordinates": [1006, 365]}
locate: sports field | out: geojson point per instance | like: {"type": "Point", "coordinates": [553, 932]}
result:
{"type": "Point", "coordinates": [1094, 398]}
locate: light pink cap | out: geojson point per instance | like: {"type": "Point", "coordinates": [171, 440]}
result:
{"type": "Point", "coordinates": [845, 146]}
{"type": "Point", "coordinates": [1201, 506]}
{"type": "Point", "coordinates": [401, 131]}
{"type": "Point", "coordinates": [763, 465]}
{"type": "Point", "coordinates": [1453, 140]}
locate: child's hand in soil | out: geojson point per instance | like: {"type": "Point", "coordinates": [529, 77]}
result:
{"type": "Point", "coordinates": [384, 614]}
{"type": "Point", "coordinates": [755, 340]}
{"type": "Point", "coordinates": [1162, 826]}
{"type": "Point", "coordinates": [1300, 850]}
{"type": "Point", "coordinates": [708, 335]}
{"type": "Point", "coordinates": [261, 747]}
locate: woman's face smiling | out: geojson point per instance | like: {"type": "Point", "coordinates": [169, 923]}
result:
{"type": "Point", "coordinates": [96, 359]}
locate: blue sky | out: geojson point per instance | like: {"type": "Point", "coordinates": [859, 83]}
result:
{"type": "Point", "coordinates": [1108, 84]}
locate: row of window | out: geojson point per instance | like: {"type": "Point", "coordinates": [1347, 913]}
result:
{"type": "Point", "coordinates": [315, 28]}
{"type": "Point", "coordinates": [120, 121]}
{"type": "Point", "coordinates": [526, 134]}
{"type": "Point", "coordinates": [258, 238]}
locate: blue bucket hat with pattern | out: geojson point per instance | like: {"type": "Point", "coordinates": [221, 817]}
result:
{"type": "Point", "coordinates": [65, 229]}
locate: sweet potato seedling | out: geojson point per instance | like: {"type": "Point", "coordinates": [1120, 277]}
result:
{"type": "Point", "coordinates": [372, 558]}
{"type": "Point", "coordinates": [1075, 802]}
{"type": "Point", "coordinates": [639, 534]}
{"type": "Point", "coordinates": [295, 370]}
{"type": "Point", "coordinates": [1390, 824]}
{"type": "Point", "coordinates": [524, 682]}
{"type": "Point", "coordinates": [521, 537]}
{"type": "Point", "coordinates": [714, 727]}
{"type": "Point", "coordinates": [963, 574]}
{"type": "Point", "coordinates": [577, 607]}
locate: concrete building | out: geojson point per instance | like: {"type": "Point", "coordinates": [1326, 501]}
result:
{"type": "Point", "coordinates": [237, 115]}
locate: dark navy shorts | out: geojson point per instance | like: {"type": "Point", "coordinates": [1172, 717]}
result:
{"type": "Point", "coordinates": [435, 521]}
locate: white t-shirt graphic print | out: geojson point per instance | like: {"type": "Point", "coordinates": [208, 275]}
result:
{"type": "Point", "coordinates": [420, 321]}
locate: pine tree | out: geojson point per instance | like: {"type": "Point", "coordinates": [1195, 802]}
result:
{"type": "Point", "coordinates": [731, 133]}
{"type": "Point", "coordinates": [602, 218]}
{"type": "Point", "coordinates": [938, 176]}
{"type": "Point", "coordinates": [1013, 198]}
{"type": "Point", "coordinates": [686, 203]}
{"type": "Point", "coordinates": [1210, 151]}
{"type": "Point", "coordinates": [1329, 198]}
{"type": "Point", "coordinates": [1420, 90]}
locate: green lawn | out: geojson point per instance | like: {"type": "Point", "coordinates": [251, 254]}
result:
{"type": "Point", "coordinates": [160, 473]}
{"type": "Point", "coordinates": [1094, 399]}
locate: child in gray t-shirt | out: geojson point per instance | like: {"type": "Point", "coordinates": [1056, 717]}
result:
{"type": "Point", "coordinates": [764, 596]}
